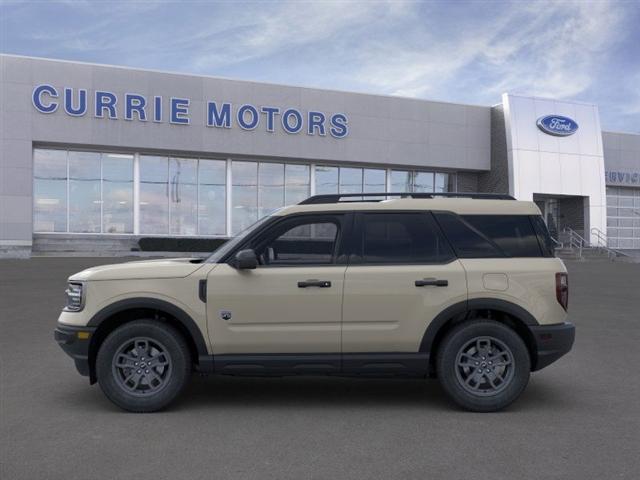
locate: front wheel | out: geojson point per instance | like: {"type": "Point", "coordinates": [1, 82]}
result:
{"type": "Point", "coordinates": [143, 365]}
{"type": "Point", "coordinates": [483, 365]}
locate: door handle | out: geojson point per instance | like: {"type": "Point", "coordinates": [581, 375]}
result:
{"type": "Point", "coordinates": [314, 283]}
{"type": "Point", "coordinates": [432, 282]}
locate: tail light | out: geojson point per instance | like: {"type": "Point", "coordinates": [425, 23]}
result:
{"type": "Point", "coordinates": [562, 289]}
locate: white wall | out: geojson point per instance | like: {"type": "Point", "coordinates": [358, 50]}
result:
{"type": "Point", "coordinates": [546, 164]}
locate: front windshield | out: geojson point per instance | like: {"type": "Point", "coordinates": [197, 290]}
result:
{"type": "Point", "coordinates": [230, 244]}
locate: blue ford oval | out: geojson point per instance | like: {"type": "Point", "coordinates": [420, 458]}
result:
{"type": "Point", "coordinates": [557, 125]}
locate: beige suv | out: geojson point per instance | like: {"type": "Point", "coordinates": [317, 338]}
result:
{"type": "Point", "coordinates": [464, 288]}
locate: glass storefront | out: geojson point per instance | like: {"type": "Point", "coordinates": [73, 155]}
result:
{"type": "Point", "coordinates": [114, 193]}
{"type": "Point", "coordinates": [623, 217]}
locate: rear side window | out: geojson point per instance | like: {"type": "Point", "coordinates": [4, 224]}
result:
{"type": "Point", "coordinates": [513, 234]}
{"type": "Point", "coordinates": [485, 236]}
{"type": "Point", "coordinates": [400, 238]}
{"type": "Point", "coordinates": [467, 241]}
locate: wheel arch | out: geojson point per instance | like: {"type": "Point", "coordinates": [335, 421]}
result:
{"type": "Point", "coordinates": [123, 311]}
{"type": "Point", "coordinates": [502, 311]}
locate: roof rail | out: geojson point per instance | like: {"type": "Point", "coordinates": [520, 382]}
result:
{"type": "Point", "coordinates": [359, 197]}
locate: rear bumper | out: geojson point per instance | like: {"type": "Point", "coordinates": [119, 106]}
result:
{"type": "Point", "coordinates": [75, 345]}
{"type": "Point", "coordinates": [552, 342]}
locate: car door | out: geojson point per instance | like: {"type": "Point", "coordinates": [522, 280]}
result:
{"type": "Point", "coordinates": [291, 303]}
{"type": "Point", "coordinates": [402, 274]}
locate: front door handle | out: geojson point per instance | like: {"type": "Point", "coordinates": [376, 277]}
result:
{"type": "Point", "coordinates": [314, 283]}
{"type": "Point", "coordinates": [432, 282]}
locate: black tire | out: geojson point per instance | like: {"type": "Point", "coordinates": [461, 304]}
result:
{"type": "Point", "coordinates": [123, 379]}
{"type": "Point", "coordinates": [475, 346]}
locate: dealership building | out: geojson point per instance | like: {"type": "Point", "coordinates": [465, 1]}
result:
{"type": "Point", "coordinates": [93, 156]}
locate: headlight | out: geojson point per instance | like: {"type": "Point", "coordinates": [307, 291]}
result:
{"type": "Point", "coordinates": [75, 297]}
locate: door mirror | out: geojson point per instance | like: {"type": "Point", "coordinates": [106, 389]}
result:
{"type": "Point", "coordinates": [245, 260]}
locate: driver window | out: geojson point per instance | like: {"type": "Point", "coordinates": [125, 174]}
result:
{"type": "Point", "coordinates": [301, 243]}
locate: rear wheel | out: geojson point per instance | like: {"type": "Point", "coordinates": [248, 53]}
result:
{"type": "Point", "coordinates": [483, 365]}
{"type": "Point", "coordinates": [143, 365]}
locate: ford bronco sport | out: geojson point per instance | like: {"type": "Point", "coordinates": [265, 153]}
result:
{"type": "Point", "coordinates": [462, 287]}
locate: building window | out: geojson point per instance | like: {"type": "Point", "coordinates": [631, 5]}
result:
{"type": "Point", "coordinates": [270, 188]}
{"type": "Point", "coordinates": [117, 193]}
{"type": "Point", "coordinates": [183, 196]}
{"type": "Point", "coordinates": [244, 195]}
{"type": "Point", "coordinates": [374, 180]}
{"type": "Point", "coordinates": [154, 195]}
{"type": "Point", "coordinates": [297, 183]}
{"type": "Point", "coordinates": [423, 182]}
{"type": "Point", "coordinates": [400, 181]}
{"type": "Point", "coordinates": [85, 202]}
{"type": "Point", "coordinates": [350, 180]}
{"type": "Point", "coordinates": [326, 179]}
{"type": "Point", "coordinates": [93, 192]}
{"type": "Point", "coordinates": [50, 190]}
{"type": "Point", "coordinates": [212, 197]}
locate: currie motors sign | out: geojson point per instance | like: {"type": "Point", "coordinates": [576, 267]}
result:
{"type": "Point", "coordinates": [557, 125]}
{"type": "Point", "coordinates": [132, 106]}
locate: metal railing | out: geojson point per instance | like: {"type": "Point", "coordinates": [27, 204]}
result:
{"type": "Point", "coordinates": [576, 242]}
{"type": "Point", "coordinates": [602, 244]}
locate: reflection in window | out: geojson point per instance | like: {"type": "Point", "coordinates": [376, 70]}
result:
{"type": "Point", "coordinates": [374, 181]}
{"type": "Point", "coordinates": [308, 243]}
{"type": "Point", "coordinates": [423, 181]}
{"type": "Point", "coordinates": [244, 195]}
{"type": "Point", "coordinates": [270, 188]}
{"type": "Point", "coordinates": [350, 180]}
{"type": "Point", "coordinates": [442, 183]}
{"type": "Point", "coordinates": [183, 193]}
{"type": "Point", "coordinates": [50, 190]}
{"type": "Point", "coordinates": [154, 194]}
{"type": "Point", "coordinates": [400, 181]}
{"type": "Point", "coordinates": [296, 183]}
{"type": "Point", "coordinates": [85, 204]}
{"type": "Point", "coordinates": [326, 179]}
{"type": "Point", "coordinates": [212, 175]}
{"type": "Point", "coordinates": [117, 193]}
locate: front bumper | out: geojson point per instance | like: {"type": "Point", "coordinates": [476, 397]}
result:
{"type": "Point", "coordinates": [552, 342]}
{"type": "Point", "coordinates": [75, 343]}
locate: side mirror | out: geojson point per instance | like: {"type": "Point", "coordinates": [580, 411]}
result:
{"type": "Point", "coordinates": [245, 260]}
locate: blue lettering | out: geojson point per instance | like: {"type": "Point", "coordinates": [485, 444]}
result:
{"type": "Point", "coordinates": [286, 124]}
{"type": "Point", "coordinates": [316, 121]}
{"type": "Point", "coordinates": [271, 117]}
{"type": "Point", "coordinates": [68, 102]}
{"type": "Point", "coordinates": [339, 125]}
{"type": "Point", "coordinates": [37, 98]}
{"type": "Point", "coordinates": [135, 103]}
{"type": "Point", "coordinates": [253, 113]}
{"type": "Point", "coordinates": [221, 118]}
{"type": "Point", "coordinates": [179, 111]}
{"type": "Point", "coordinates": [157, 109]}
{"type": "Point", "coordinates": [106, 100]}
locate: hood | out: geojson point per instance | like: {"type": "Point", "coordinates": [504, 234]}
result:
{"type": "Point", "coordinates": [165, 268]}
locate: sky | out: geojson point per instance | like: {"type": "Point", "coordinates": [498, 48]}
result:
{"type": "Point", "coordinates": [456, 51]}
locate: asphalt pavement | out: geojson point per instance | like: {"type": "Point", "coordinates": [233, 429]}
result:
{"type": "Point", "coordinates": [578, 418]}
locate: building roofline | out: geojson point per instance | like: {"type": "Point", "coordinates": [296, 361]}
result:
{"type": "Point", "coordinates": [199, 75]}
{"type": "Point", "coordinates": [620, 132]}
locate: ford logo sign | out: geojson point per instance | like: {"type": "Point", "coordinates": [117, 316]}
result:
{"type": "Point", "coordinates": [557, 125]}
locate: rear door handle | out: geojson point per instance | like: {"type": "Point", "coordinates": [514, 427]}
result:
{"type": "Point", "coordinates": [432, 282]}
{"type": "Point", "coordinates": [315, 283]}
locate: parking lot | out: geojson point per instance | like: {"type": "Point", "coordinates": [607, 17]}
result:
{"type": "Point", "coordinates": [579, 418]}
